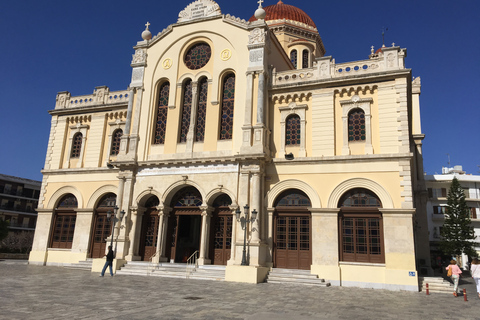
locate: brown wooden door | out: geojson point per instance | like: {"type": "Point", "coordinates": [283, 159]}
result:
{"type": "Point", "coordinates": [221, 244]}
{"type": "Point", "coordinates": [292, 247]}
{"type": "Point", "coordinates": [149, 234]}
{"type": "Point", "coordinates": [101, 231]}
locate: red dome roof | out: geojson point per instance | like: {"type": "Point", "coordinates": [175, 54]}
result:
{"type": "Point", "coordinates": [286, 11]}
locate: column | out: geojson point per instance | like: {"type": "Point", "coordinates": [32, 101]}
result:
{"type": "Point", "coordinates": [133, 249]}
{"type": "Point", "coordinates": [206, 218]}
{"type": "Point", "coordinates": [261, 98]}
{"type": "Point", "coordinates": [234, 235]}
{"type": "Point", "coordinates": [270, 235]}
{"type": "Point", "coordinates": [126, 132]}
{"type": "Point", "coordinates": [193, 118]}
{"type": "Point", "coordinates": [162, 232]}
{"type": "Point", "coordinates": [256, 204]}
{"type": "Point", "coordinates": [247, 122]}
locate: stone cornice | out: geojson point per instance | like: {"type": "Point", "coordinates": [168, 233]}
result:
{"type": "Point", "coordinates": [89, 109]}
{"type": "Point", "coordinates": [346, 158]}
{"type": "Point", "coordinates": [79, 171]}
{"type": "Point", "coordinates": [367, 78]}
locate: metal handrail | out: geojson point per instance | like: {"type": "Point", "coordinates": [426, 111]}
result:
{"type": "Point", "coordinates": [151, 264]}
{"type": "Point", "coordinates": [192, 264]}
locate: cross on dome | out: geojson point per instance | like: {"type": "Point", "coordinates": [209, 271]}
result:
{"type": "Point", "coordinates": [260, 3]}
{"type": "Point", "coordinates": [147, 25]}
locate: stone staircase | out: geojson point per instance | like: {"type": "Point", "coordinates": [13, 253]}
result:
{"type": "Point", "coordinates": [82, 265]}
{"type": "Point", "coordinates": [293, 276]}
{"type": "Point", "coordinates": [435, 285]}
{"type": "Point", "coordinates": [172, 270]}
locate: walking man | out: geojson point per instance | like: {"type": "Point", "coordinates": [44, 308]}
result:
{"type": "Point", "coordinates": [109, 262]}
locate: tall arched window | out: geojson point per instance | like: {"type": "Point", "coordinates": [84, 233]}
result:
{"type": "Point", "coordinates": [228, 99]}
{"type": "Point", "coordinates": [356, 125]}
{"type": "Point", "coordinates": [201, 110]}
{"type": "Point", "coordinates": [293, 131]}
{"type": "Point", "coordinates": [305, 58]}
{"type": "Point", "coordinates": [64, 222]}
{"type": "Point", "coordinates": [116, 137]}
{"type": "Point", "coordinates": [162, 111]}
{"type": "Point", "coordinates": [361, 227]}
{"type": "Point", "coordinates": [76, 145]}
{"type": "Point", "coordinates": [292, 230]}
{"type": "Point", "coordinates": [294, 58]}
{"type": "Point", "coordinates": [186, 110]}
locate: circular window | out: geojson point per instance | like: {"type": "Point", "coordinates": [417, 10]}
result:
{"type": "Point", "coordinates": [198, 56]}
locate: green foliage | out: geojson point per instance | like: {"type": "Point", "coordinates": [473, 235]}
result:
{"type": "Point", "coordinates": [17, 242]}
{"type": "Point", "coordinates": [3, 229]}
{"type": "Point", "coordinates": [457, 232]}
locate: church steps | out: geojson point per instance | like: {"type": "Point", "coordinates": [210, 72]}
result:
{"type": "Point", "coordinates": [170, 270]}
{"type": "Point", "coordinates": [83, 265]}
{"type": "Point", "coordinates": [292, 276]}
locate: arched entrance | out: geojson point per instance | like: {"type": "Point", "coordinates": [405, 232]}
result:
{"type": "Point", "coordinates": [292, 247]}
{"type": "Point", "coordinates": [64, 222]}
{"type": "Point", "coordinates": [361, 227]}
{"type": "Point", "coordinates": [221, 235]}
{"type": "Point", "coordinates": [149, 233]}
{"type": "Point", "coordinates": [184, 225]}
{"type": "Point", "coordinates": [102, 228]}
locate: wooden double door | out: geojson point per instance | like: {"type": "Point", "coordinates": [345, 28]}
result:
{"type": "Point", "coordinates": [292, 240]}
{"type": "Point", "coordinates": [149, 234]}
{"type": "Point", "coordinates": [102, 230]}
{"type": "Point", "coordinates": [221, 236]}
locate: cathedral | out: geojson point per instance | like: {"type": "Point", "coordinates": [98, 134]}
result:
{"type": "Point", "coordinates": [241, 144]}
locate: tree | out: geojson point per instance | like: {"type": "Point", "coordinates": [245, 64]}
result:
{"type": "Point", "coordinates": [457, 232]}
{"type": "Point", "coordinates": [3, 229]}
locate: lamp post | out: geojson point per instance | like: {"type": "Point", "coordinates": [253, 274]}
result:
{"type": "Point", "coordinates": [114, 219]}
{"type": "Point", "coordinates": [246, 220]}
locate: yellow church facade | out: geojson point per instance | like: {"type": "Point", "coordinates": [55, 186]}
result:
{"type": "Point", "coordinates": [226, 120]}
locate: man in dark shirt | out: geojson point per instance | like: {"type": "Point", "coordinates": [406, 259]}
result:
{"type": "Point", "coordinates": [109, 262]}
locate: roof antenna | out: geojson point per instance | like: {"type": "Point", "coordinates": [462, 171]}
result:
{"type": "Point", "coordinates": [448, 155]}
{"type": "Point", "coordinates": [383, 36]}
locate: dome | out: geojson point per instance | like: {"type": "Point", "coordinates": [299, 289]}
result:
{"type": "Point", "coordinates": [286, 11]}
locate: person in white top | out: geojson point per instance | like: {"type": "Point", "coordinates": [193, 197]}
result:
{"type": "Point", "coordinates": [475, 270]}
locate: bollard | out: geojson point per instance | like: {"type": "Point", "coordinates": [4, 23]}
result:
{"type": "Point", "coordinates": [465, 294]}
{"type": "Point", "coordinates": [428, 292]}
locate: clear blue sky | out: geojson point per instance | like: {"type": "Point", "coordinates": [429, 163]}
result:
{"type": "Point", "coordinates": [51, 45]}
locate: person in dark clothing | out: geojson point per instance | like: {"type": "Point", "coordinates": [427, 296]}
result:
{"type": "Point", "coordinates": [109, 262]}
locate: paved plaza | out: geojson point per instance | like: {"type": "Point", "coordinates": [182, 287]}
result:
{"type": "Point", "coordinates": [36, 292]}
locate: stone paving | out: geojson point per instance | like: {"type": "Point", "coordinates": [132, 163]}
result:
{"type": "Point", "coordinates": [36, 292]}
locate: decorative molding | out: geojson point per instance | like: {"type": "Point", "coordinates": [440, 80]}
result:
{"type": "Point", "coordinates": [371, 185]}
{"type": "Point", "coordinates": [139, 58]}
{"type": "Point", "coordinates": [293, 184]}
{"type": "Point", "coordinates": [199, 9]}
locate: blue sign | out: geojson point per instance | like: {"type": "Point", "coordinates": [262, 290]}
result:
{"type": "Point", "coordinates": [411, 273]}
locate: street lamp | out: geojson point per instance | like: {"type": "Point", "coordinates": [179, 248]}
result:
{"type": "Point", "coordinates": [246, 220]}
{"type": "Point", "coordinates": [114, 219]}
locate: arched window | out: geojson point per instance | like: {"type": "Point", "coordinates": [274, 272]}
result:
{"type": "Point", "coordinates": [64, 223]}
{"type": "Point", "coordinates": [116, 137]}
{"type": "Point", "coordinates": [162, 111]}
{"type": "Point", "coordinates": [293, 198]}
{"type": "Point", "coordinates": [294, 58]}
{"type": "Point", "coordinates": [188, 197]}
{"type": "Point", "coordinates": [356, 125]}
{"type": "Point", "coordinates": [305, 55]}
{"type": "Point", "coordinates": [361, 227]}
{"type": "Point", "coordinates": [201, 110]}
{"type": "Point", "coordinates": [293, 131]}
{"type": "Point", "coordinates": [186, 110]}
{"type": "Point", "coordinates": [228, 99]}
{"type": "Point", "coordinates": [76, 145]}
